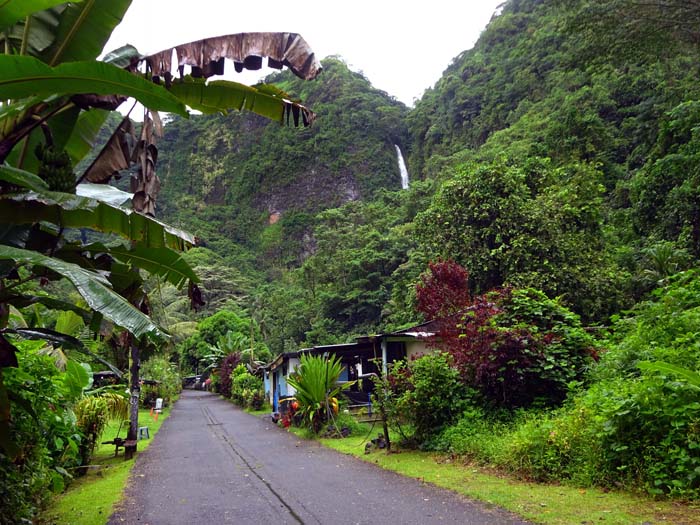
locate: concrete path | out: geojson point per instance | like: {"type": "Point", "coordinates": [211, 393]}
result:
{"type": "Point", "coordinates": [213, 463]}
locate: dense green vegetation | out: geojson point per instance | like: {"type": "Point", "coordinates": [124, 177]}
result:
{"type": "Point", "coordinates": [91, 499]}
{"type": "Point", "coordinates": [227, 177]}
{"type": "Point", "coordinates": [633, 426]}
{"type": "Point", "coordinates": [562, 148]}
{"type": "Point", "coordinates": [555, 163]}
{"type": "Point", "coordinates": [74, 256]}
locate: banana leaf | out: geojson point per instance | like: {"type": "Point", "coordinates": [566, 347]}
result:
{"type": "Point", "coordinates": [82, 136]}
{"type": "Point", "coordinates": [691, 377]}
{"type": "Point", "coordinates": [223, 96]}
{"type": "Point", "coordinates": [84, 29]}
{"type": "Point", "coordinates": [247, 50]}
{"type": "Point", "coordinates": [94, 288]}
{"type": "Point", "coordinates": [115, 156]}
{"type": "Point", "coordinates": [22, 178]}
{"type": "Point", "coordinates": [22, 301]}
{"type": "Point", "coordinates": [12, 11]}
{"type": "Point", "coordinates": [103, 193]}
{"type": "Point", "coordinates": [123, 56]}
{"type": "Point", "coordinates": [73, 211]}
{"type": "Point", "coordinates": [35, 38]}
{"type": "Point", "coordinates": [62, 340]}
{"type": "Point", "coordinates": [25, 76]}
{"type": "Point", "coordinates": [164, 262]}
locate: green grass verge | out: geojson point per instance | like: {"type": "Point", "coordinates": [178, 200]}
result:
{"type": "Point", "coordinates": [89, 500]}
{"type": "Point", "coordinates": [536, 502]}
{"type": "Point", "coordinates": [266, 410]}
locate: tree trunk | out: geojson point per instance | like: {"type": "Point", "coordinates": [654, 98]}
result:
{"type": "Point", "coordinates": [385, 425]}
{"type": "Point", "coordinates": [135, 390]}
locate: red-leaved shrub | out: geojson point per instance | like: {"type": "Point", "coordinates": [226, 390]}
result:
{"type": "Point", "coordinates": [228, 364]}
{"type": "Point", "coordinates": [515, 346]}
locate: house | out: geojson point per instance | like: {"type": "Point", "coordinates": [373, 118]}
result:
{"type": "Point", "coordinates": [359, 359]}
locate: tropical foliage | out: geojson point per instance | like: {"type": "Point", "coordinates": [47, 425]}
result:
{"type": "Point", "coordinates": [54, 426]}
{"type": "Point", "coordinates": [247, 390]}
{"type": "Point", "coordinates": [525, 226]}
{"type": "Point", "coordinates": [635, 425]}
{"type": "Point", "coordinates": [92, 413]}
{"type": "Point", "coordinates": [424, 396]}
{"type": "Point", "coordinates": [553, 185]}
{"type": "Point", "coordinates": [161, 380]}
{"type": "Point", "coordinates": [316, 384]}
{"type": "Point", "coordinates": [58, 225]}
{"type": "Point", "coordinates": [555, 162]}
{"type": "Point", "coordinates": [25, 485]}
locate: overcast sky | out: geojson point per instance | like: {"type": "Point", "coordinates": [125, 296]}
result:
{"type": "Point", "coordinates": [401, 48]}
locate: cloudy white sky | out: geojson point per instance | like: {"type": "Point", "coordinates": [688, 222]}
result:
{"type": "Point", "coordinates": [401, 48]}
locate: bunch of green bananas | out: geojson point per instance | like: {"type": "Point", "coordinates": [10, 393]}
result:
{"type": "Point", "coordinates": [55, 168]}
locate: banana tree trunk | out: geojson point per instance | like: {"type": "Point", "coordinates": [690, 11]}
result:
{"type": "Point", "coordinates": [135, 390]}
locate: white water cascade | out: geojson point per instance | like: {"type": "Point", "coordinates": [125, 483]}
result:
{"type": "Point", "coordinates": [402, 168]}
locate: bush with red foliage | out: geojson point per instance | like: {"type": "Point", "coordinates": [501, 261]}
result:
{"type": "Point", "coordinates": [516, 347]}
{"type": "Point", "coordinates": [443, 290]}
{"type": "Point", "coordinates": [228, 364]}
{"type": "Point", "coordinates": [287, 419]}
{"type": "Point", "coordinates": [519, 347]}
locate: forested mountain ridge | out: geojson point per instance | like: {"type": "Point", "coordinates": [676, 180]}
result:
{"type": "Point", "coordinates": [558, 153]}
{"type": "Point", "coordinates": [557, 80]}
{"type": "Point", "coordinates": [239, 173]}
{"type": "Point", "coordinates": [606, 88]}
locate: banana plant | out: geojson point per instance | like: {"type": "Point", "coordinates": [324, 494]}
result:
{"type": "Point", "coordinates": [54, 97]}
{"type": "Point", "coordinates": [52, 91]}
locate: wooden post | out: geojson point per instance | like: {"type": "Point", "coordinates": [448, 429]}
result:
{"type": "Point", "coordinates": [384, 356]}
{"type": "Point", "coordinates": [135, 391]}
{"type": "Point", "coordinates": [382, 409]}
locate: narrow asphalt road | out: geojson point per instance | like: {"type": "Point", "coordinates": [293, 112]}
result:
{"type": "Point", "coordinates": [213, 463]}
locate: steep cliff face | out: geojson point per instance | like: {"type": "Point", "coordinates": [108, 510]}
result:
{"type": "Point", "coordinates": [250, 172]}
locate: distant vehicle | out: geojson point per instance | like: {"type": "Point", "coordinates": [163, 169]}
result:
{"type": "Point", "coordinates": [194, 382]}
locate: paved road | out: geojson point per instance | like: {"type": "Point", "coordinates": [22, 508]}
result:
{"type": "Point", "coordinates": [213, 463]}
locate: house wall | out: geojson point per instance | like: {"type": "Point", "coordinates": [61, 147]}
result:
{"type": "Point", "coordinates": [274, 394]}
{"type": "Point", "coordinates": [282, 384]}
{"type": "Point", "coordinates": [267, 386]}
{"type": "Point", "coordinates": [415, 349]}
{"type": "Point", "coordinates": [288, 390]}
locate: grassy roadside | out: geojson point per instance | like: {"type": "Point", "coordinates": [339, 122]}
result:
{"type": "Point", "coordinates": [89, 500]}
{"type": "Point", "coordinates": [539, 503]}
{"type": "Point", "coordinates": [258, 413]}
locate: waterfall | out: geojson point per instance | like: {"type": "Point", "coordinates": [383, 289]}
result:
{"type": "Point", "coordinates": [402, 168]}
